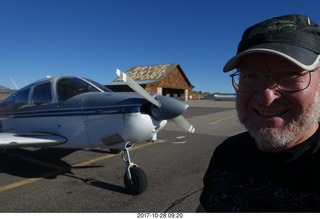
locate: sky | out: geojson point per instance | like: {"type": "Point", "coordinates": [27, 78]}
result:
{"type": "Point", "coordinates": [92, 38]}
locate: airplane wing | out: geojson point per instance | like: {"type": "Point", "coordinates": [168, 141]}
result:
{"type": "Point", "coordinates": [13, 140]}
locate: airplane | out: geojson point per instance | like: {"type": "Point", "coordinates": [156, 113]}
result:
{"type": "Point", "coordinates": [75, 112]}
{"type": "Point", "coordinates": [224, 97]}
{"type": "Point", "coordinates": [220, 97]}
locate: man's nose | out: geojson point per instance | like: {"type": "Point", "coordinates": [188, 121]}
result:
{"type": "Point", "coordinates": [267, 91]}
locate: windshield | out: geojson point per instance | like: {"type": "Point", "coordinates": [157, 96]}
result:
{"type": "Point", "coordinates": [105, 89]}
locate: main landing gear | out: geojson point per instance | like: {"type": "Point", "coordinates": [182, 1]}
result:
{"type": "Point", "coordinates": [135, 179]}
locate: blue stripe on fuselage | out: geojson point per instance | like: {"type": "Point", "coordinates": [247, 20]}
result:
{"type": "Point", "coordinates": [74, 111]}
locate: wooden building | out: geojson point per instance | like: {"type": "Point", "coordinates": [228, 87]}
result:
{"type": "Point", "coordinates": [167, 80]}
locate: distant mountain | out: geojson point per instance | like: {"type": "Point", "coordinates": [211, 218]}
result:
{"type": "Point", "coordinates": [4, 89]}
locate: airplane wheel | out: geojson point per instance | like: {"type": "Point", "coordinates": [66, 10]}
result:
{"type": "Point", "coordinates": [139, 181]}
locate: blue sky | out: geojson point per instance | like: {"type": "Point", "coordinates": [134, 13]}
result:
{"type": "Point", "coordinates": [92, 38]}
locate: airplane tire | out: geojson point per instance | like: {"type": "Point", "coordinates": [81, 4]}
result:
{"type": "Point", "coordinates": [139, 181]}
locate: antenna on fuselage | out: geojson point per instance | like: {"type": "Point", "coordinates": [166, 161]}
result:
{"type": "Point", "coordinates": [15, 85]}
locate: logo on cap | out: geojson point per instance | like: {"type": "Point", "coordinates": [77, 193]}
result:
{"type": "Point", "coordinates": [271, 28]}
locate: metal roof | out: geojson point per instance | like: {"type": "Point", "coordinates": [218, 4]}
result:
{"type": "Point", "coordinates": [149, 74]}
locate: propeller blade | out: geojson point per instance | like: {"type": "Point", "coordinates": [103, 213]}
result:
{"type": "Point", "coordinates": [179, 120]}
{"type": "Point", "coordinates": [137, 88]}
{"type": "Point", "coordinates": [182, 122]}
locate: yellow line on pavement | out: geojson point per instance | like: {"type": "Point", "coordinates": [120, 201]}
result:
{"type": "Point", "coordinates": [58, 169]}
{"type": "Point", "coordinates": [27, 181]}
{"type": "Point", "coordinates": [223, 119]}
{"type": "Point", "coordinates": [86, 163]}
{"type": "Point", "coordinates": [18, 184]}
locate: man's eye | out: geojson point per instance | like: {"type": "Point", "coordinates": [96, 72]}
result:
{"type": "Point", "coordinates": [248, 76]}
{"type": "Point", "coordinates": [291, 74]}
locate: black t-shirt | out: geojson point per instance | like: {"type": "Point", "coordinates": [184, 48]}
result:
{"type": "Point", "coordinates": [241, 178]}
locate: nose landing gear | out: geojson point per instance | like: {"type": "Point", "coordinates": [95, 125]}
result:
{"type": "Point", "coordinates": [135, 179]}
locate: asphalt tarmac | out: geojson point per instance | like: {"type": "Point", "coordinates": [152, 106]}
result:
{"type": "Point", "coordinates": [58, 180]}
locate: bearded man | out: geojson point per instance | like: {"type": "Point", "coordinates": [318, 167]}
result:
{"type": "Point", "coordinates": [275, 165]}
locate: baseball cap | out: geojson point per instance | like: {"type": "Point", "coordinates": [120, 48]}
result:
{"type": "Point", "coordinates": [294, 37]}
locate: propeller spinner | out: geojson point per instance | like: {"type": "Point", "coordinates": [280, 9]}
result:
{"type": "Point", "coordinates": [166, 108]}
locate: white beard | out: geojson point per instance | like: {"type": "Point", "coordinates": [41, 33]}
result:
{"type": "Point", "coordinates": [275, 139]}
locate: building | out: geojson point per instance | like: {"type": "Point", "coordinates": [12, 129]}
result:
{"type": "Point", "coordinates": [166, 80]}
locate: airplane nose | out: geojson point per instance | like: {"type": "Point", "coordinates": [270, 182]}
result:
{"type": "Point", "coordinates": [169, 108]}
{"type": "Point", "coordinates": [164, 107]}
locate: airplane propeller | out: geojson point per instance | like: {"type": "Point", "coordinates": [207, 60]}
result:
{"type": "Point", "coordinates": [166, 108]}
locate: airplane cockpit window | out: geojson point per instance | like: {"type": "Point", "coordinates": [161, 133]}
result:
{"type": "Point", "coordinates": [100, 86]}
{"type": "Point", "coordinates": [70, 87]}
{"type": "Point", "coordinates": [7, 104]}
{"type": "Point", "coordinates": [41, 94]}
{"type": "Point", "coordinates": [21, 99]}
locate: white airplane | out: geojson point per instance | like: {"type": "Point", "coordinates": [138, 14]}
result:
{"type": "Point", "coordinates": [74, 112]}
{"type": "Point", "coordinates": [224, 96]}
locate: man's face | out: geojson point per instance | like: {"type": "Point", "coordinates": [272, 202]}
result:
{"type": "Point", "coordinates": [277, 119]}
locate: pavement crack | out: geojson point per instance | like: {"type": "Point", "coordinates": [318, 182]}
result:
{"type": "Point", "coordinates": [176, 202]}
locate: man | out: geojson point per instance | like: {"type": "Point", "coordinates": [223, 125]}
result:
{"type": "Point", "coordinates": [275, 166]}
